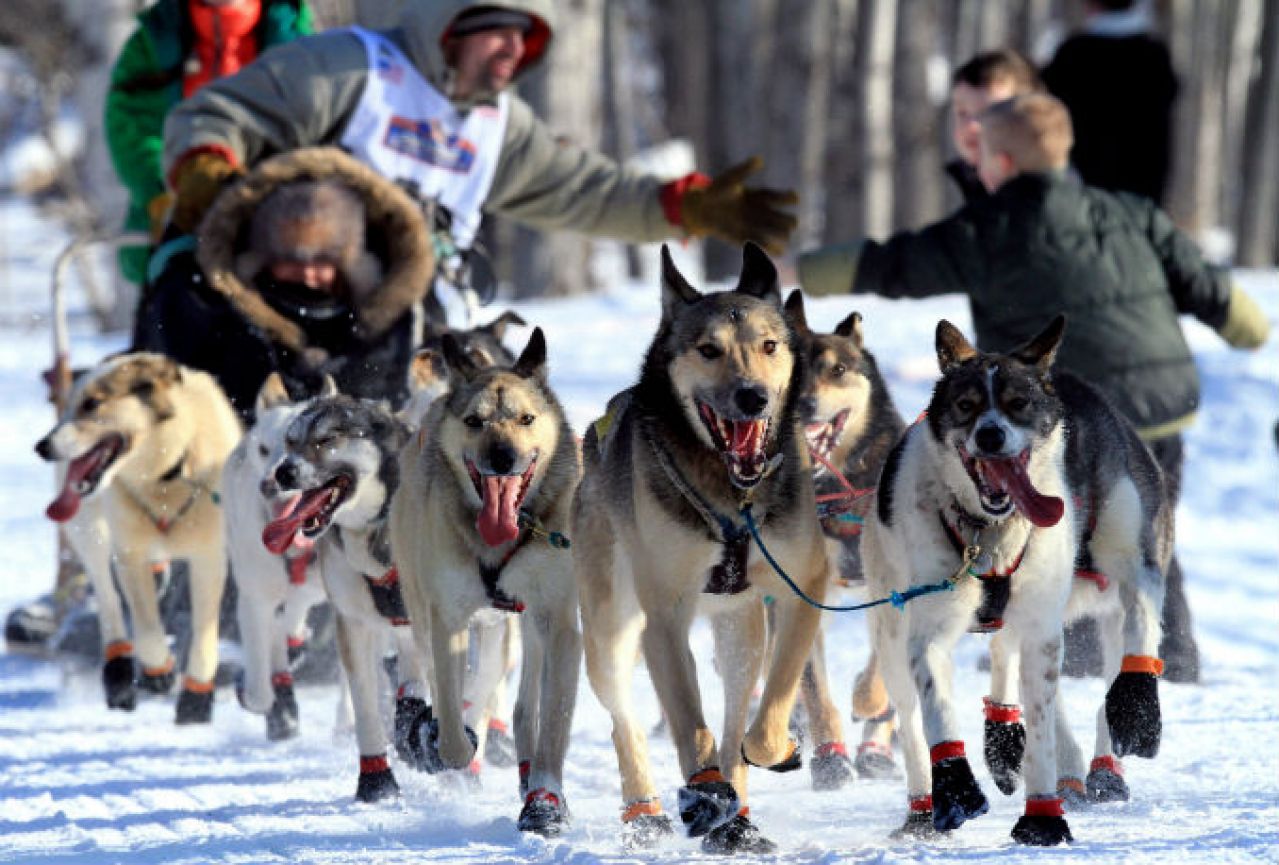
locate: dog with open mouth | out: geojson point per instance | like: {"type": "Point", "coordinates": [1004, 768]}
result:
{"type": "Point", "coordinates": [660, 535]}
{"type": "Point", "coordinates": [274, 591]}
{"type": "Point", "coordinates": [851, 425]}
{"type": "Point", "coordinates": [485, 490]}
{"type": "Point", "coordinates": [141, 448]}
{"type": "Point", "coordinates": [1015, 468]}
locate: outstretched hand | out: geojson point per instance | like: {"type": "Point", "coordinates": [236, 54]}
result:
{"type": "Point", "coordinates": [734, 212]}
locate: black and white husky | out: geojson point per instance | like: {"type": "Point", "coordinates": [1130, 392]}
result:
{"type": "Point", "coordinates": [1015, 469]}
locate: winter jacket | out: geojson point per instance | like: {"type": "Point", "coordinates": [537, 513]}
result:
{"type": "Point", "coordinates": [1120, 91]}
{"type": "Point", "coordinates": [966, 179]}
{"type": "Point", "coordinates": [232, 324]}
{"type": "Point", "coordinates": [1045, 244]}
{"type": "Point", "coordinates": [540, 181]}
{"type": "Point", "coordinates": [146, 83]}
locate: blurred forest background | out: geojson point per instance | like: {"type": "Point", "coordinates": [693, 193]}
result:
{"type": "Point", "coordinates": [845, 99]}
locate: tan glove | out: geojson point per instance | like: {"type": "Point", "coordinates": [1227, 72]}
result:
{"type": "Point", "coordinates": [158, 214]}
{"type": "Point", "coordinates": [733, 212]}
{"type": "Point", "coordinates": [196, 183]}
{"type": "Point", "coordinates": [1246, 326]}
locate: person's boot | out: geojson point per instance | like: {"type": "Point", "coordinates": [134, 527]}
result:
{"type": "Point", "coordinates": [31, 627]}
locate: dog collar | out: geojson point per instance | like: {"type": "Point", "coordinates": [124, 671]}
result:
{"type": "Point", "coordinates": [165, 522]}
{"type": "Point", "coordinates": [996, 586]}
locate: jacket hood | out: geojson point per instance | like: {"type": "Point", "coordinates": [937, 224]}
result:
{"type": "Point", "coordinates": [426, 23]}
{"type": "Point", "coordinates": [396, 234]}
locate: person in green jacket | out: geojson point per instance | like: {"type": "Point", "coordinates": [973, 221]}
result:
{"type": "Point", "coordinates": [177, 48]}
{"type": "Point", "coordinates": [1043, 243]}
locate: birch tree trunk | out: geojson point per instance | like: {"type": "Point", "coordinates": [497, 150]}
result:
{"type": "Point", "coordinates": [917, 196]}
{"type": "Point", "coordinates": [878, 107]}
{"type": "Point", "coordinates": [1258, 226]}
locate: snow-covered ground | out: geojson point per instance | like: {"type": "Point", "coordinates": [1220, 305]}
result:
{"type": "Point", "coordinates": [79, 784]}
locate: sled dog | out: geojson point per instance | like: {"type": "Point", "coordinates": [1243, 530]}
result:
{"type": "Point", "coordinates": [485, 482]}
{"type": "Point", "coordinates": [143, 442]}
{"type": "Point", "coordinates": [993, 493]}
{"type": "Point", "coordinates": [850, 424]}
{"type": "Point", "coordinates": [659, 536]}
{"type": "Point", "coordinates": [274, 592]}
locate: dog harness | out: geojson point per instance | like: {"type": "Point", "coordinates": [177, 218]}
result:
{"type": "Point", "coordinates": [165, 521]}
{"type": "Point", "coordinates": [387, 597]}
{"type": "Point", "coordinates": [995, 585]}
{"type": "Point", "coordinates": [491, 574]}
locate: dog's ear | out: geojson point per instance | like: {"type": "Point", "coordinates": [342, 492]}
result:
{"type": "Point", "coordinates": [272, 393]}
{"type": "Point", "coordinates": [952, 347]}
{"type": "Point", "coordinates": [532, 361]}
{"type": "Point", "coordinates": [851, 328]}
{"type": "Point", "coordinates": [794, 312]}
{"type": "Point", "coordinates": [456, 358]}
{"type": "Point", "coordinates": [498, 326]}
{"type": "Point", "coordinates": [1041, 350]}
{"type": "Point", "coordinates": [676, 292]}
{"type": "Point", "coordinates": [759, 275]}
{"type": "Point", "coordinates": [328, 387]}
{"type": "Point", "coordinates": [425, 369]}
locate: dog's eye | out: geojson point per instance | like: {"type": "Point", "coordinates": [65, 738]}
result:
{"type": "Point", "coordinates": [709, 351]}
{"type": "Point", "coordinates": [1018, 403]}
{"type": "Point", "coordinates": [965, 406]}
{"type": "Point", "coordinates": [325, 442]}
{"type": "Point", "coordinates": [142, 388]}
{"type": "Point", "coordinates": [89, 406]}
{"type": "Point", "coordinates": [770, 346]}
{"type": "Point", "coordinates": [527, 419]}
{"type": "Point", "coordinates": [474, 421]}
{"type": "Point", "coordinates": [838, 370]}
{"type": "Point", "coordinates": [263, 450]}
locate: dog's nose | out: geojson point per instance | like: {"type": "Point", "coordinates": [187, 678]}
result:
{"type": "Point", "coordinates": [990, 439]}
{"type": "Point", "coordinates": [751, 400]}
{"type": "Point", "coordinates": [44, 449]}
{"type": "Point", "coordinates": [286, 475]}
{"type": "Point", "coordinates": [501, 459]}
{"type": "Point", "coordinates": [268, 487]}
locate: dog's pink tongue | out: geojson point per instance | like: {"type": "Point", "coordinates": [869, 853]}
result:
{"type": "Point", "coordinates": [746, 438]}
{"type": "Point", "coordinates": [1044, 511]}
{"type": "Point", "coordinates": [279, 533]}
{"type": "Point", "coordinates": [498, 520]}
{"type": "Point", "coordinates": [67, 504]}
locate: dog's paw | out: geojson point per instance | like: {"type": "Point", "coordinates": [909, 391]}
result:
{"type": "Point", "coordinates": [158, 681]}
{"type": "Point", "coordinates": [738, 835]}
{"type": "Point", "coordinates": [1072, 792]}
{"type": "Point", "coordinates": [544, 813]}
{"type": "Point", "coordinates": [1132, 711]}
{"type": "Point", "coordinates": [282, 720]}
{"type": "Point", "coordinates": [830, 767]}
{"type": "Point", "coordinates": [646, 829]}
{"type": "Point", "coordinates": [499, 746]}
{"type": "Point", "coordinates": [1042, 831]}
{"type": "Point", "coordinates": [411, 713]}
{"type": "Point", "coordinates": [956, 796]}
{"type": "Point", "coordinates": [376, 780]}
{"type": "Point", "coordinates": [195, 706]}
{"type": "Point", "coordinates": [706, 802]}
{"type": "Point", "coordinates": [792, 761]}
{"type": "Point", "coordinates": [918, 826]}
{"type": "Point", "coordinates": [118, 681]}
{"type": "Point", "coordinates": [1105, 782]}
{"type": "Point", "coordinates": [1004, 745]}
{"type": "Point", "coordinates": [875, 762]}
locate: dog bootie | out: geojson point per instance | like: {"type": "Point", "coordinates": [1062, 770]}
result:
{"type": "Point", "coordinates": [417, 735]}
{"type": "Point", "coordinates": [1073, 793]}
{"type": "Point", "coordinates": [499, 747]}
{"type": "Point", "coordinates": [738, 835]}
{"type": "Point", "coordinates": [118, 677]}
{"type": "Point", "coordinates": [1004, 744]}
{"type": "Point", "coordinates": [831, 768]}
{"type": "Point", "coordinates": [1043, 824]}
{"type": "Point", "coordinates": [158, 680]}
{"type": "Point", "coordinates": [874, 762]}
{"type": "Point", "coordinates": [376, 780]}
{"type": "Point", "coordinates": [919, 820]}
{"type": "Point", "coordinates": [1132, 707]}
{"type": "Point", "coordinates": [956, 796]}
{"type": "Point", "coordinates": [544, 813]}
{"type": "Point", "coordinates": [195, 702]}
{"type": "Point", "coordinates": [707, 801]}
{"type": "Point", "coordinates": [282, 718]}
{"type": "Point", "coordinates": [1105, 782]}
{"type": "Point", "coordinates": [644, 825]}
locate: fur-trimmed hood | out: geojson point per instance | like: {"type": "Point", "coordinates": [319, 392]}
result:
{"type": "Point", "coordinates": [396, 234]}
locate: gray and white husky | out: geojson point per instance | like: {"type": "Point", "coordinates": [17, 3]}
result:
{"type": "Point", "coordinates": [1014, 468]}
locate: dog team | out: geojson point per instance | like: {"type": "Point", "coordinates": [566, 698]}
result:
{"type": "Point", "coordinates": [752, 452]}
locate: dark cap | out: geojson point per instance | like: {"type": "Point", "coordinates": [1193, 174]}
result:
{"type": "Point", "coordinates": [489, 18]}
